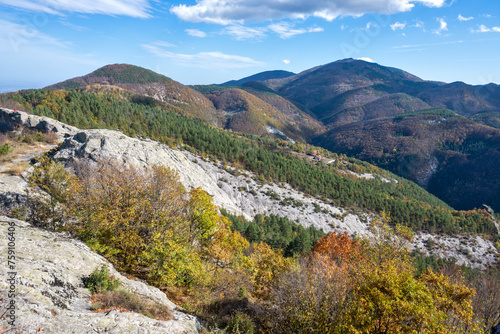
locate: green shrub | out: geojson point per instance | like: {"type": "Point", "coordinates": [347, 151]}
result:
{"type": "Point", "coordinates": [5, 149]}
{"type": "Point", "coordinates": [241, 323]}
{"type": "Point", "coordinates": [27, 138]}
{"type": "Point", "coordinates": [18, 213]}
{"type": "Point", "coordinates": [100, 281]}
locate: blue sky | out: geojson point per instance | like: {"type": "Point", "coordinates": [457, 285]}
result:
{"type": "Point", "coordinates": [212, 41]}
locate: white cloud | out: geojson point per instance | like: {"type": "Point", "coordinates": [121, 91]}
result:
{"type": "Point", "coordinates": [398, 25]}
{"type": "Point", "coordinates": [196, 33]}
{"type": "Point", "coordinates": [165, 44]}
{"type": "Point", "coordinates": [443, 26]}
{"type": "Point", "coordinates": [244, 33]}
{"type": "Point", "coordinates": [283, 29]}
{"type": "Point", "coordinates": [483, 28]}
{"type": "Point", "coordinates": [462, 18]}
{"type": "Point", "coordinates": [36, 59]}
{"type": "Point", "coordinates": [286, 30]}
{"type": "Point", "coordinates": [286, 61]}
{"type": "Point", "coordinates": [420, 46]}
{"type": "Point", "coordinates": [73, 26]}
{"type": "Point", "coordinates": [367, 59]}
{"type": "Point", "coordinates": [134, 8]}
{"type": "Point", "coordinates": [208, 60]}
{"type": "Point", "coordinates": [20, 36]}
{"type": "Point", "coordinates": [238, 11]}
{"type": "Point", "coordinates": [419, 24]}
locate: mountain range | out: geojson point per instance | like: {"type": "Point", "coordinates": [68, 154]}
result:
{"type": "Point", "coordinates": [443, 136]}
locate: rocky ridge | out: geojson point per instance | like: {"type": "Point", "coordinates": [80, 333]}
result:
{"type": "Point", "coordinates": [238, 192]}
{"type": "Point", "coordinates": [50, 295]}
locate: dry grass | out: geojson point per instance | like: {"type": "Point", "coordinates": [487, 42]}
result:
{"type": "Point", "coordinates": [16, 168]}
{"type": "Point", "coordinates": [22, 144]}
{"type": "Point", "coordinates": [127, 302]}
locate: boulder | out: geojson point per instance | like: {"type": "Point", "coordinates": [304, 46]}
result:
{"type": "Point", "coordinates": [12, 119]}
{"type": "Point", "coordinates": [12, 193]}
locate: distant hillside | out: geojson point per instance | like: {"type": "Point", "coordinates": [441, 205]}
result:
{"type": "Point", "coordinates": [462, 98]}
{"type": "Point", "coordinates": [313, 87]}
{"type": "Point", "coordinates": [490, 118]}
{"type": "Point", "coordinates": [113, 75]}
{"type": "Point", "coordinates": [451, 156]}
{"type": "Point", "coordinates": [349, 107]}
{"type": "Point", "coordinates": [376, 113]}
{"type": "Point", "coordinates": [145, 83]}
{"type": "Point", "coordinates": [262, 76]}
{"type": "Point", "coordinates": [324, 90]}
{"type": "Point", "coordinates": [256, 112]}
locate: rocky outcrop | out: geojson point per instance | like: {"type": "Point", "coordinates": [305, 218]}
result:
{"type": "Point", "coordinates": [240, 194]}
{"type": "Point", "coordinates": [237, 191]}
{"type": "Point", "coordinates": [50, 295]}
{"type": "Point", "coordinates": [12, 193]}
{"type": "Point", "coordinates": [13, 188]}
{"type": "Point", "coordinates": [473, 251]}
{"type": "Point", "coordinates": [12, 119]}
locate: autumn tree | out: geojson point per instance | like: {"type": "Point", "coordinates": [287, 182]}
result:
{"type": "Point", "coordinates": [388, 298]}
{"type": "Point", "coordinates": [313, 297]}
{"type": "Point", "coordinates": [368, 285]}
{"type": "Point", "coordinates": [143, 221]}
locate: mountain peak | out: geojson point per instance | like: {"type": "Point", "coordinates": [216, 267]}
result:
{"type": "Point", "coordinates": [262, 76]}
{"type": "Point", "coordinates": [113, 74]}
{"type": "Point", "coordinates": [126, 73]}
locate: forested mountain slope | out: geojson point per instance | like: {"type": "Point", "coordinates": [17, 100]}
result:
{"type": "Point", "coordinates": [123, 197]}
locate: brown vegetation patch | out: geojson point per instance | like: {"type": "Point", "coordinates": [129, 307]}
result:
{"type": "Point", "coordinates": [126, 302]}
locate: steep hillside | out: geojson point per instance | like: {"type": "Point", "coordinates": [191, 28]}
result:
{"type": "Point", "coordinates": [313, 87]}
{"type": "Point", "coordinates": [453, 157]}
{"type": "Point", "coordinates": [276, 161]}
{"type": "Point", "coordinates": [262, 76]}
{"type": "Point", "coordinates": [464, 99]}
{"type": "Point", "coordinates": [262, 113]}
{"type": "Point", "coordinates": [144, 83]}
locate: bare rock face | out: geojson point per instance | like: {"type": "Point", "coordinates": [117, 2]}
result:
{"type": "Point", "coordinates": [11, 119]}
{"type": "Point", "coordinates": [49, 291]}
{"type": "Point", "coordinates": [239, 194]}
{"type": "Point", "coordinates": [12, 193]}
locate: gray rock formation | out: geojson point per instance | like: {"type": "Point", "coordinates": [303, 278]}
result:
{"type": "Point", "coordinates": [49, 290]}
{"type": "Point", "coordinates": [12, 193]}
{"type": "Point", "coordinates": [239, 194]}
{"type": "Point", "coordinates": [10, 120]}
